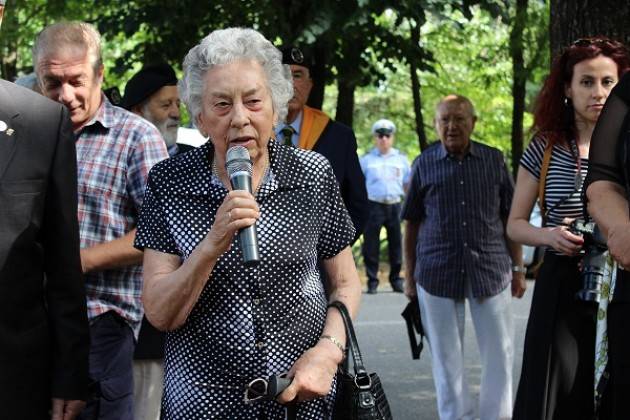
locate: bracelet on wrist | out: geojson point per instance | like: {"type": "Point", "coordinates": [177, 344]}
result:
{"type": "Point", "coordinates": [335, 341]}
{"type": "Point", "coordinates": [519, 269]}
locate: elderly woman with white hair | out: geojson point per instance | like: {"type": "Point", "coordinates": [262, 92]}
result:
{"type": "Point", "coordinates": [230, 324]}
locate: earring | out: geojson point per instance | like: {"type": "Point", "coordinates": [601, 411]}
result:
{"type": "Point", "coordinates": [566, 101]}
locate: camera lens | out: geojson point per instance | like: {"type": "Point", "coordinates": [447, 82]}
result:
{"type": "Point", "coordinates": [592, 275]}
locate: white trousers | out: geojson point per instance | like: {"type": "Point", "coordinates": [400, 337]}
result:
{"type": "Point", "coordinates": [148, 383]}
{"type": "Point", "coordinates": [443, 320]}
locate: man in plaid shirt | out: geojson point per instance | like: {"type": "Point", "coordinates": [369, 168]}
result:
{"type": "Point", "coordinates": [115, 150]}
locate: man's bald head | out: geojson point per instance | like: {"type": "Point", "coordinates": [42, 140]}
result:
{"type": "Point", "coordinates": [457, 99]}
{"type": "Point", "coordinates": [454, 122]}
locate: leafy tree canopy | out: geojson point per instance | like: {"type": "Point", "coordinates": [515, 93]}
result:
{"type": "Point", "coordinates": [471, 58]}
{"type": "Point", "coordinates": [366, 43]}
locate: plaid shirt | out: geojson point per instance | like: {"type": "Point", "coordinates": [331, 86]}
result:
{"type": "Point", "coordinates": [115, 152]}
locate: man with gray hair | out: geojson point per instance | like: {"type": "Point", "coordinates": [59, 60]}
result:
{"type": "Point", "coordinates": [456, 249]}
{"type": "Point", "coordinates": [115, 150]}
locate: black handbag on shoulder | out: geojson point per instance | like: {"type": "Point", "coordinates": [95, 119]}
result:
{"type": "Point", "coordinates": [360, 394]}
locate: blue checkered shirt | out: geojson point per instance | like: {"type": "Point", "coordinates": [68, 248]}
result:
{"type": "Point", "coordinates": [461, 207]}
{"type": "Point", "coordinates": [115, 152]}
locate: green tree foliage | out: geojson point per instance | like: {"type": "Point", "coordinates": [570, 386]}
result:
{"type": "Point", "coordinates": [22, 21]}
{"type": "Point", "coordinates": [472, 58]}
{"type": "Point", "coordinates": [364, 50]}
{"type": "Point", "coordinates": [523, 36]}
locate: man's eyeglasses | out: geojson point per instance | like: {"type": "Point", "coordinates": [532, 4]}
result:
{"type": "Point", "coordinates": [266, 388]}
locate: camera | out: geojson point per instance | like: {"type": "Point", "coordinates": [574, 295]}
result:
{"type": "Point", "coordinates": [594, 261]}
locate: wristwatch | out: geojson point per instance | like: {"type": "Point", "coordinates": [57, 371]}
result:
{"type": "Point", "coordinates": [519, 269]}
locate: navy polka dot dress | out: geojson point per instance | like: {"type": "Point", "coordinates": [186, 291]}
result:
{"type": "Point", "coordinates": [248, 322]}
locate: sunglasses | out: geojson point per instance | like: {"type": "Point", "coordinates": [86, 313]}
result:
{"type": "Point", "coordinates": [381, 135]}
{"type": "Point", "coordinates": [585, 42]}
{"type": "Point", "coordinates": [268, 388]}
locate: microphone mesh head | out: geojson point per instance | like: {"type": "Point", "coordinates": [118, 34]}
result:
{"type": "Point", "coordinates": [237, 160]}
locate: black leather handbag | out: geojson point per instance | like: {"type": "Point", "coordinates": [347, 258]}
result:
{"type": "Point", "coordinates": [414, 326]}
{"type": "Point", "coordinates": [360, 394]}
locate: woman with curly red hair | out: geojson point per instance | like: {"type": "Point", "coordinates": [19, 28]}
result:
{"type": "Point", "coordinates": [558, 361]}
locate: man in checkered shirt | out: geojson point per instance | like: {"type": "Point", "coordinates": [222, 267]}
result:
{"type": "Point", "coordinates": [115, 150]}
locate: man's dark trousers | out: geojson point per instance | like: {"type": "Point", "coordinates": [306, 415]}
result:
{"type": "Point", "coordinates": [111, 369]}
{"type": "Point", "coordinates": [387, 215]}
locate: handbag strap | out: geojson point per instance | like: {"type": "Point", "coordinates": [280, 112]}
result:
{"type": "Point", "coordinates": [352, 344]}
{"type": "Point", "coordinates": [543, 178]}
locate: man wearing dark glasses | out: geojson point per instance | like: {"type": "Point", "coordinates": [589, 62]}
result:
{"type": "Point", "coordinates": [386, 173]}
{"type": "Point", "coordinates": [43, 321]}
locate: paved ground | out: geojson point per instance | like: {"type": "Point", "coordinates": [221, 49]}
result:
{"type": "Point", "coordinates": [408, 383]}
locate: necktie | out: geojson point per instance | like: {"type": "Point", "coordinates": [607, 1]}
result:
{"type": "Point", "coordinates": [287, 135]}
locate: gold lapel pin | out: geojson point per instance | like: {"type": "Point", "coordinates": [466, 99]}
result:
{"type": "Point", "coordinates": [4, 127]}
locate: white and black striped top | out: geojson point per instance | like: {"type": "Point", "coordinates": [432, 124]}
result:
{"type": "Point", "coordinates": [560, 180]}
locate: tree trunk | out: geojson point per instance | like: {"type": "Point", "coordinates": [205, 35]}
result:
{"type": "Point", "coordinates": [8, 70]}
{"type": "Point", "coordinates": [574, 19]}
{"type": "Point", "coordinates": [8, 62]}
{"type": "Point", "coordinates": [316, 98]}
{"type": "Point", "coordinates": [518, 83]}
{"type": "Point", "coordinates": [415, 90]}
{"type": "Point", "coordinates": [318, 74]}
{"type": "Point", "coordinates": [345, 102]}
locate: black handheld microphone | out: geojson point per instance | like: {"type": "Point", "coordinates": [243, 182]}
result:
{"type": "Point", "coordinates": [239, 168]}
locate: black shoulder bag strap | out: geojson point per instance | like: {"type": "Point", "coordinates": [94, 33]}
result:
{"type": "Point", "coordinates": [544, 168]}
{"type": "Point", "coordinates": [352, 345]}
